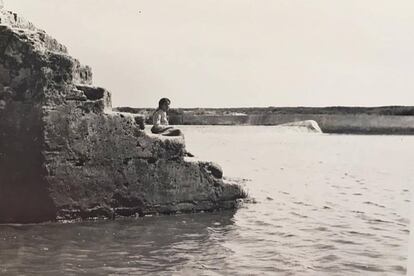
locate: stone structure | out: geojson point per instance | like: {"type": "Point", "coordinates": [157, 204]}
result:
{"type": "Point", "coordinates": [64, 154]}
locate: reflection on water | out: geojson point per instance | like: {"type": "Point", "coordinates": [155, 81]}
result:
{"type": "Point", "coordinates": [151, 244]}
{"type": "Point", "coordinates": [326, 205]}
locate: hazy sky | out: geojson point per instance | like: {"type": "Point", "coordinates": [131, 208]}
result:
{"type": "Point", "coordinates": [215, 53]}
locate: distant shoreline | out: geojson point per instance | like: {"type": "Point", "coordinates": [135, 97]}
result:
{"type": "Point", "coordinates": [380, 110]}
{"type": "Point", "coordinates": [390, 120]}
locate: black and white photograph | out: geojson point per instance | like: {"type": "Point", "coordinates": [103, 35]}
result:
{"type": "Point", "coordinates": [206, 137]}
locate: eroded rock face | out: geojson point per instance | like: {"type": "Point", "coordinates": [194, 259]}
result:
{"type": "Point", "coordinates": [64, 154]}
{"type": "Point", "coordinates": [308, 125]}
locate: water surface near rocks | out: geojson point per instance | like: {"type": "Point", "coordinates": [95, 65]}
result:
{"type": "Point", "coordinates": [326, 205]}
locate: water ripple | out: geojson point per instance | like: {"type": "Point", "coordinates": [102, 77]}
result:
{"type": "Point", "coordinates": [330, 211]}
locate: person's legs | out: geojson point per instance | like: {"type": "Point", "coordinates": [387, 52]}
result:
{"type": "Point", "coordinates": [167, 131]}
{"type": "Point", "coordinates": [172, 132]}
{"type": "Point", "coordinates": [159, 130]}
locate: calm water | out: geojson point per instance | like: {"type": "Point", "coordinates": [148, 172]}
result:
{"type": "Point", "coordinates": [326, 205]}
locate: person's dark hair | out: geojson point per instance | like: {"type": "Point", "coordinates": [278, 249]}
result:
{"type": "Point", "coordinates": [164, 101]}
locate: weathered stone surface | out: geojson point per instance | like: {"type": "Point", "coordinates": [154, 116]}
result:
{"type": "Point", "coordinates": [64, 154]}
{"type": "Point", "coordinates": [215, 170]}
{"type": "Point", "coordinates": [308, 125]}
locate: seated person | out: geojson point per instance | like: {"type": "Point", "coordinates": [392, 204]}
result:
{"type": "Point", "coordinates": [160, 120]}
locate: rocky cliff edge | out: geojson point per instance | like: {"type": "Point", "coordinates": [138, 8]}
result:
{"type": "Point", "coordinates": [64, 154]}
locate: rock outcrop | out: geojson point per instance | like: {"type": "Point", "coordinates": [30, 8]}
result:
{"type": "Point", "coordinates": [64, 154]}
{"type": "Point", "coordinates": [308, 126]}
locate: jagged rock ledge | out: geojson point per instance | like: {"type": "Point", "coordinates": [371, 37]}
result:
{"type": "Point", "coordinates": [64, 154]}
